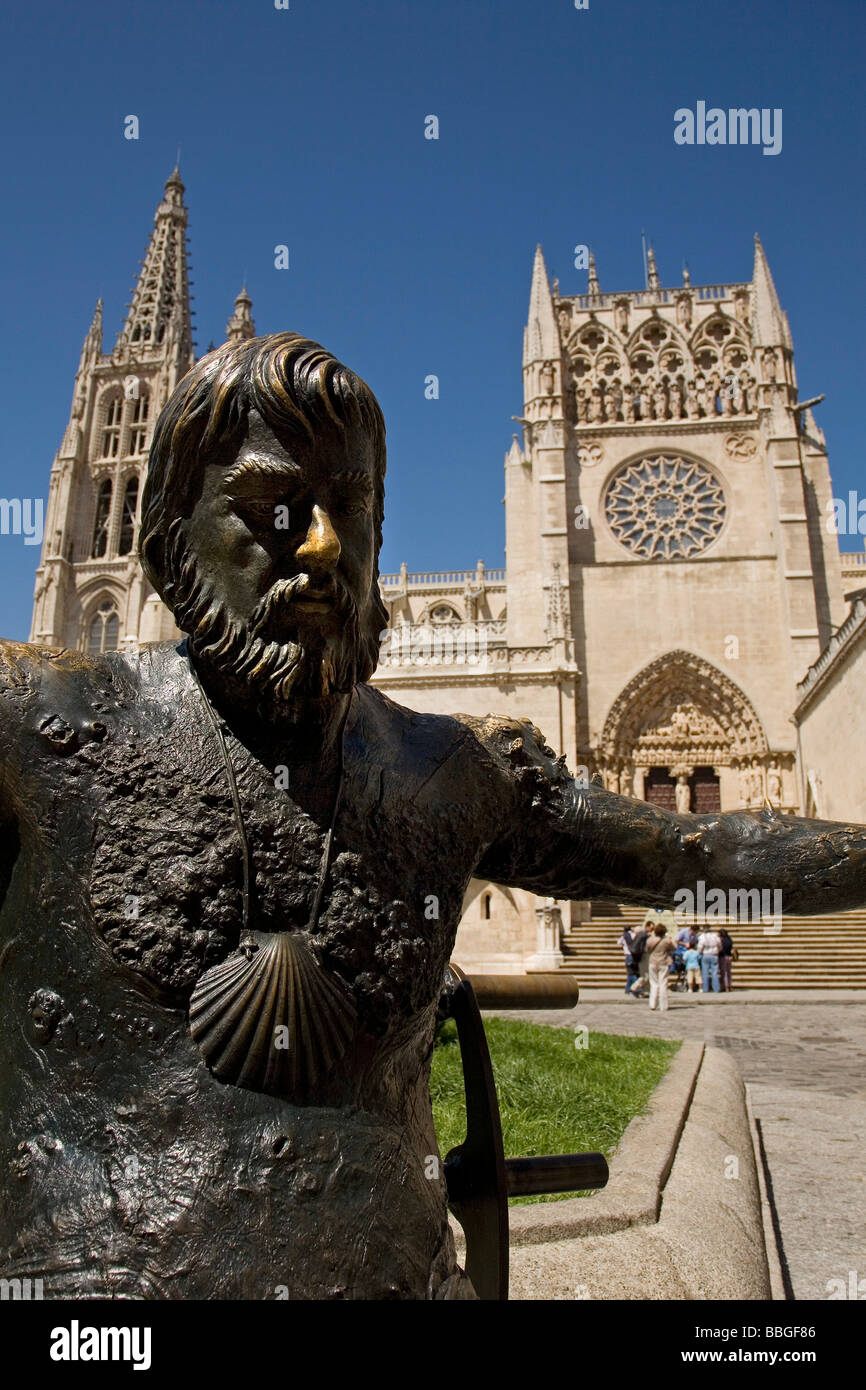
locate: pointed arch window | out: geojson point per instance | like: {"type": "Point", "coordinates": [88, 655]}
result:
{"type": "Point", "coordinates": [103, 517]}
{"type": "Point", "coordinates": [127, 521]}
{"type": "Point", "coordinates": [111, 427]}
{"type": "Point", "coordinates": [104, 630]}
{"type": "Point", "coordinates": [138, 422]}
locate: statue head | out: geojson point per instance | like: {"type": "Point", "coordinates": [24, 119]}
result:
{"type": "Point", "coordinates": [262, 518]}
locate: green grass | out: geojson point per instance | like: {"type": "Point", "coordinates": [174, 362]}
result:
{"type": "Point", "coordinates": [553, 1097]}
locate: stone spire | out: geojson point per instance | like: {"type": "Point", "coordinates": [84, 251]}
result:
{"type": "Point", "coordinates": [93, 342]}
{"type": "Point", "coordinates": [240, 325]}
{"type": "Point", "coordinates": [162, 290]}
{"type": "Point", "coordinates": [541, 336]}
{"type": "Point", "coordinates": [652, 276]}
{"type": "Point", "coordinates": [91, 351]}
{"type": "Point", "coordinates": [770, 323]}
{"type": "Point", "coordinates": [593, 288]}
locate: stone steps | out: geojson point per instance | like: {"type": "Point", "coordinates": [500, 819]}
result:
{"type": "Point", "coordinates": [822, 952]}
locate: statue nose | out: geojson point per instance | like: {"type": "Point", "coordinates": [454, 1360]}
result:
{"type": "Point", "coordinates": [321, 548]}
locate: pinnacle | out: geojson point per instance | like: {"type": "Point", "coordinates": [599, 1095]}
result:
{"type": "Point", "coordinates": [653, 282]}
{"type": "Point", "coordinates": [592, 287]}
{"type": "Point", "coordinates": [770, 321]}
{"type": "Point", "coordinates": [240, 326]}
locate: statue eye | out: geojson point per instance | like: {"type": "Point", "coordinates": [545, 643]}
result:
{"type": "Point", "coordinates": [259, 511]}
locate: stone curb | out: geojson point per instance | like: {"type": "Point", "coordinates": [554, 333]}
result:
{"type": "Point", "coordinates": [639, 1168]}
{"type": "Point", "coordinates": [708, 1241]}
{"type": "Point", "coordinates": [774, 1261]}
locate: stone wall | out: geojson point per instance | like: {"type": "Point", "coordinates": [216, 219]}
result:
{"type": "Point", "coordinates": [832, 719]}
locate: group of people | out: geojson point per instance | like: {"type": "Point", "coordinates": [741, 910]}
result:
{"type": "Point", "coordinates": [657, 950]}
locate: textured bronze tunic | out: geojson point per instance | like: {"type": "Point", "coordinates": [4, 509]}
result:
{"type": "Point", "coordinates": [130, 1169]}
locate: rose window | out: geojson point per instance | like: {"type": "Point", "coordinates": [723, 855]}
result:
{"type": "Point", "coordinates": [665, 508]}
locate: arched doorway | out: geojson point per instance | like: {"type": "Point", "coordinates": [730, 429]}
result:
{"type": "Point", "coordinates": [680, 735]}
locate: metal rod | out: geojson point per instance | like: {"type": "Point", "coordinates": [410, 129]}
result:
{"type": "Point", "coordinates": [525, 991]}
{"type": "Point", "coordinates": [529, 1177]}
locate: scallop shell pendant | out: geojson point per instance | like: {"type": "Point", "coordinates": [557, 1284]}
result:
{"type": "Point", "coordinates": [270, 1018]}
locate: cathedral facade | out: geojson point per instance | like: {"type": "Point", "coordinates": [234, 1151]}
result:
{"type": "Point", "coordinates": [674, 611]}
{"type": "Point", "coordinates": [673, 614]}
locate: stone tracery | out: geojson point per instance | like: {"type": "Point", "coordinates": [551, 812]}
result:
{"type": "Point", "coordinates": [662, 371]}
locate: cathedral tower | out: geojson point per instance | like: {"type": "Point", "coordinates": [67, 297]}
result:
{"type": "Point", "coordinates": [90, 592]}
{"type": "Point", "coordinates": [670, 471]}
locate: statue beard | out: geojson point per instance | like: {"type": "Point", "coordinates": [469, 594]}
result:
{"type": "Point", "coordinates": [280, 675]}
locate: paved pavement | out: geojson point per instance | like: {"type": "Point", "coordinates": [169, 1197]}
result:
{"type": "Point", "coordinates": [803, 1053]}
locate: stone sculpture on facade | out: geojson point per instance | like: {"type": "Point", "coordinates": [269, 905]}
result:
{"type": "Point", "coordinates": [684, 310]}
{"type": "Point", "coordinates": [774, 785]}
{"type": "Point", "coordinates": [769, 364]}
{"type": "Point", "coordinates": [233, 873]}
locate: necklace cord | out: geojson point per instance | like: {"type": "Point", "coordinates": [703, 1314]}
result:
{"type": "Point", "coordinates": [327, 853]}
{"type": "Point", "coordinates": [236, 801]}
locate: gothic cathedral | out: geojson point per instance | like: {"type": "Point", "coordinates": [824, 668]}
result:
{"type": "Point", "coordinates": [674, 612]}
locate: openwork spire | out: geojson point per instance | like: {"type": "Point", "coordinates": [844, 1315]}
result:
{"type": "Point", "coordinates": [161, 297]}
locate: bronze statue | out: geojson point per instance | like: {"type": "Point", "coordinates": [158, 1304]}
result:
{"type": "Point", "coordinates": [232, 874]}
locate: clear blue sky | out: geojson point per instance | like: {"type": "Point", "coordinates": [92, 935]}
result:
{"type": "Point", "coordinates": [306, 127]}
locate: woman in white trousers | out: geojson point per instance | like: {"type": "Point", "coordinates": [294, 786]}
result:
{"type": "Point", "coordinates": [660, 948]}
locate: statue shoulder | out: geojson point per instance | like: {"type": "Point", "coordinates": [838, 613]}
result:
{"type": "Point", "coordinates": [500, 744]}
{"type": "Point", "coordinates": [384, 721]}
{"type": "Point", "coordinates": [17, 664]}
{"type": "Point", "coordinates": [61, 688]}
{"type": "Point", "coordinates": [23, 667]}
{"type": "Point", "coordinates": [514, 743]}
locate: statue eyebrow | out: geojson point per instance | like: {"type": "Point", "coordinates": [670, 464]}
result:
{"type": "Point", "coordinates": [263, 468]}
{"type": "Point", "coordinates": [354, 475]}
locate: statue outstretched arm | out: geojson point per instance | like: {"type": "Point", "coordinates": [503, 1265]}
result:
{"type": "Point", "coordinates": [563, 839]}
